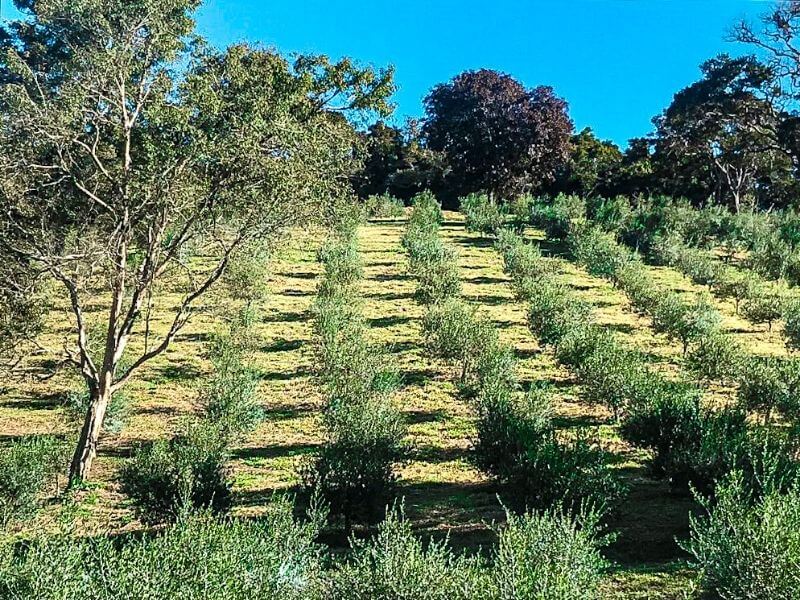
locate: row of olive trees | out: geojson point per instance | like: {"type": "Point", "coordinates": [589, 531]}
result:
{"type": "Point", "coordinates": [355, 470]}
{"type": "Point", "coordinates": [127, 147]}
{"type": "Point", "coordinates": [753, 470]}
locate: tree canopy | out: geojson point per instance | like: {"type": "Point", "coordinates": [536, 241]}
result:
{"type": "Point", "coordinates": [495, 134]}
{"type": "Point", "coordinates": [127, 145]}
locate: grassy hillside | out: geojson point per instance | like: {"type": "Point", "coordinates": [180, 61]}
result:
{"type": "Point", "coordinates": [444, 493]}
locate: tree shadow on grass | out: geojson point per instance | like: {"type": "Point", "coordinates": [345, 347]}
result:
{"type": "Point", "coordinates": [273, 451]}
{"type": "Point", "coordinates": [523, 353]}
{"type": "Point", "coordinates": [554, 248]}
{"type": "Point", "coordinates": [284, 375]}
{"type": "Point", "coordinates": [418, 417]}
{"type": "Point", "coordinates": [649, 520]}
{"type": "Point", "coordinates": [40, 402]}
{"type": "Point", "coordinates": [418, 377]}
{"type": "Point", "coordinates": [286, 413]}
{"type": "Point", "coordinates": [474, 242]}
{"type": "Point", "coordinates": [201, 336]}
{"type": "Point", "coordinates": [287, 317]}
{"type": "Point", "coordinates": [283, 345]}
{"type": "Point", "coordinates": [297, 293]}
{"type": "Point", "coordinates": [390, 277]}
{"type": "Point", "coordinates": [179, 372]}
{"type": "Point", "coordinates": [390, 296]}
{"type": "Point", "coordinates": [486, 280]}
{"type": "Point", "coordinates": [300, 275]}
{"type": "Point", "coordinates": [489, 299]}
{"type": "Point", "coordinates": [389, 321]}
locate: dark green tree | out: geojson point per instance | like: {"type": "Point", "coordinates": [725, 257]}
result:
{"type": "Point", "coordinates": [496, 135]}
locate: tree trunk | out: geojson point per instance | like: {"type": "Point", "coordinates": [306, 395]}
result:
{"type": "Point", "coordinates": [86, 449]}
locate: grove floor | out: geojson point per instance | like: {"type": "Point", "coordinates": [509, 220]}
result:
{"type": "Point", "coordinates": [444, 494]}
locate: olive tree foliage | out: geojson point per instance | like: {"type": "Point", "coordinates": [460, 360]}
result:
{"type": "Point", "coordinates": [126, 145]}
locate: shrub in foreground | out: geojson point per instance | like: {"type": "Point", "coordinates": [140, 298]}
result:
{"type": "Point", "coordinates": [548, 555]}
{"type": "Point", "coordinates": [167, 478]}
{"type": "Point", "coordinates": [355, 469]}
{"type": "Point", "coordinates": [747, 548]}
{"type": "Point", "coordinates": [384, 206]}
{"type": "Point", "coordinates": [482, 214]}
{"type": "Point", "coordinates": [396, 564]}
{"type": "Point", "coordinates": [199, 557]}
{"type": "Point", "coordinates": [27, 465]}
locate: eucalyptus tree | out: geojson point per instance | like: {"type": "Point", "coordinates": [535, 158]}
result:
{"type": "Point", "coordinates": [131, 154]}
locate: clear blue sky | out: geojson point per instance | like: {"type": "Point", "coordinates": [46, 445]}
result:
{"type": "Point", "coordinates": [617, 62]}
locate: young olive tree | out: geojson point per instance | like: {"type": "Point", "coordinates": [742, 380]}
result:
{"type": "Point", "coordinates": [126, 144]}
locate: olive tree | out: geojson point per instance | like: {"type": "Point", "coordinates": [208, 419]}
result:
{"type": "Point", "coordinates": [127, 145]}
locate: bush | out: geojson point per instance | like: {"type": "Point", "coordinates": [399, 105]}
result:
{"type": "Point", "coordinates": [342, 354]}
{"type": "Point", "coordinates": [716, 357]}
{"type": "Point", "coordinates": [495, 368]}
{"type": "Point", "coordinates": [426, 209]}
{"type": "Point", "coordinates": [517, 443]}
{"type": "Point", "coordinates": [556, 218]}
{"type": "Point", "coordinates": [230, 397]}
{"type": "Point", "coordinates": [769, 384]}
{"type": "Point", "coordinates": [454, 332]}
{"type": "Point", "coordinates": [769, 255]}
{"type": "Point", "coordinates": [521, 260]}
{"type": "Point", "coordinates": [646, 223]}
{"type": "Point", "coordinates": [668, 420]}
{"type": "Point", "coordinates": [701, 267]}
{"type": "Point", "coordinates": [610, 214]}
{"type": "Point", "coordinates": [553, 312]}
{"type": "Point", "coordinates": [342, 266]}
{"type": "Point", "coordinates": [598, 252]}
{"type": "Point", "coordinates": [736, 285]}
{"type": "Point", "coordinates": [167, 478]}
{"type": "Point", "coordinates": [637, 283]}
{"type": "Point", "coordinates": [581, 342]}
{"type": "Point", "coordinates": [608, 374]}
{"type": "Point", "coordinates": [437, 277]}
{"type": "Point", "coordinates": [507, 424]}
{"type": "Point", "coordinates": [355, 469]}
{"type": "Point", "coordinates": [764, 305]}
{"type": "Point", "coordinates": [384, 206]}
{"type": "Point", "coordinates": [685, 322]}
{"type": "Point", "coordinates": [199, 557]}
{"type": "Point", "coordinates": [247, 274]}
{"type": "Point", "coordinates": [745, 549]}
{"type": "Point", "coordinates": [344, 217]}
{"type": "Point", "coordinates": [395, 564]}
{"type": "Point", "coordinates": [791, 324]}
{"type": "Point", "coordinates": [549, 556]}
{"type": "Point", "coordinates": [726, 443]}
{"type": "Point", "coordinates": [27, 465]}
{"type": "Point", "coordinates": [520, 210]}
{"type": "Point", "coordinates": [482, 214]}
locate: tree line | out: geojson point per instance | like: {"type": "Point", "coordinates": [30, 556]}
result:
{"type": "Point", "coordinates": [731, 138]}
